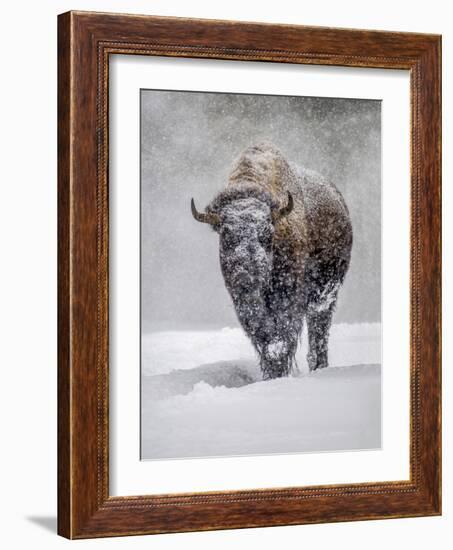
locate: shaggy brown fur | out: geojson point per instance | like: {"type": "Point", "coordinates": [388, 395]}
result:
{"type": "Point", "coordinates": [282, 270]}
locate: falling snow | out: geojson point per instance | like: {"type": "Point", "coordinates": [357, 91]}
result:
{"type": "Point", "coordinates": [283, 272]}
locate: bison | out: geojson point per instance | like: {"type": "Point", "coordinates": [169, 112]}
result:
{"type": "Point", "coordinates": [285, 245]}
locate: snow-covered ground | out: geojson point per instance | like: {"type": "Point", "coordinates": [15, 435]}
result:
{"type": "Point", "coordinates": [202, 395]}
{"type": "Point", "coordinates": [162, 352]}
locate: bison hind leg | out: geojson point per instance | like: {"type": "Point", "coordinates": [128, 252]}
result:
{"type": "Point", "coordinates": [319, 320]}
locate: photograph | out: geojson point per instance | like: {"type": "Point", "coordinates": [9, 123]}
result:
{"type": "Point", "coordinates": [225, 281]}
{"type": "Point", "coordinates": [260, 274]}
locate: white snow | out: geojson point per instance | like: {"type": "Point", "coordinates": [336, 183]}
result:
{"type": "Point", "coordinates": [162, 352]}
{"type": "Point", "coordinates": [206, 397]}
{"type": "Point", "coordinates": [336, 409]}
{"type": "Point", "coordinates": [275, 349]}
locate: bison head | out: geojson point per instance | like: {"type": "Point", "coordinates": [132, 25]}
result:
{"type": "Point", "coordinates": [246, 226]}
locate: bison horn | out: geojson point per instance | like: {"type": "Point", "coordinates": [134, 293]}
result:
{"type": "Point", "coordinates": [210, 218]}
{"type": "Point", "coordinates": [286, 209]}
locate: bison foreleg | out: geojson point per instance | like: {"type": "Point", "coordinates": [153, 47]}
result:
{"type": "Point", "coordinates": [278, 355]}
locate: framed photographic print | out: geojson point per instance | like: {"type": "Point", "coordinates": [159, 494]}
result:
{"type": "Point", "coordinates": [249, 275]}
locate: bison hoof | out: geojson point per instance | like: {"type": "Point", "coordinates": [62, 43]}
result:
{"type": "Point", "coordinates": [316, 362]}
{"type": "Point", "coordinates": [275, 368]}
{"type": "Point", "coordinates": [270, 375]}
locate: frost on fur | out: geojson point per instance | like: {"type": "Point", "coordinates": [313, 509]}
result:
{"type": "Point", "coordinates": [285, 241]}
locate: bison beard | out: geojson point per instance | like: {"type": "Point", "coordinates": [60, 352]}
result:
{"type": "Point", "coordinates": [285, 244]}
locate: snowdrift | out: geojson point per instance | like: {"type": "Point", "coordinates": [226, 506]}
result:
{"type": "Point", "coordinates": [206, 397]}
{"type": "Point", "coordinates": [162, 352]}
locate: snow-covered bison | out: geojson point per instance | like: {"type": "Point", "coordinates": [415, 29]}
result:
{"type": "Point", "coordinates": [285, 245]}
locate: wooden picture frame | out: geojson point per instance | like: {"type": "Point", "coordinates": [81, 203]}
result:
{"type": "Point", "coordinates": [85, 42]}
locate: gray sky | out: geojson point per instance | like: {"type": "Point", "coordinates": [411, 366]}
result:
{"type": "Point", "coordinates": [189, 141]}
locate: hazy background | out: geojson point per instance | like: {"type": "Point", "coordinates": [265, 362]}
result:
{"type": "Point", "coordinates": [189, 141]}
